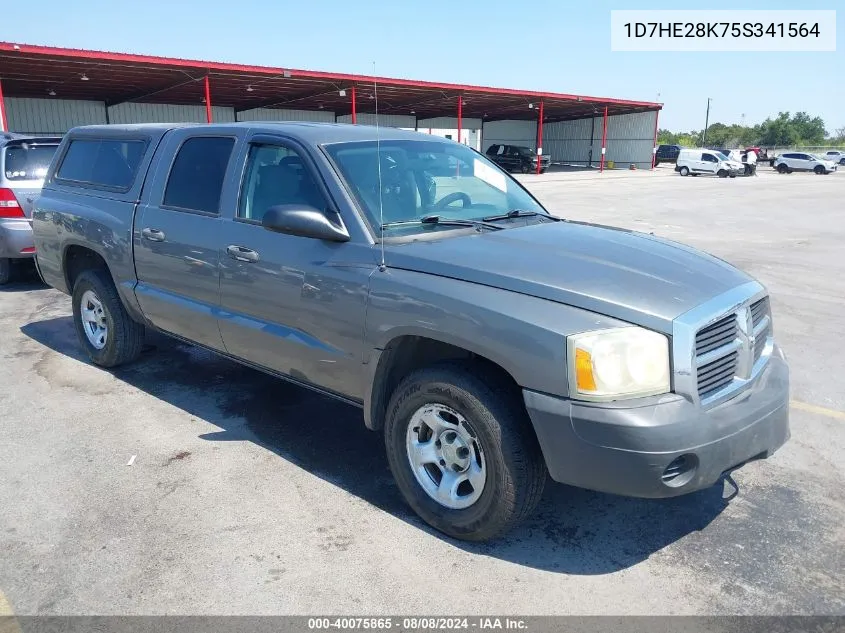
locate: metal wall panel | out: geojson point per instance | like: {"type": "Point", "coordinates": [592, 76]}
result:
{"type": "Point", "coordinates": [281, 114]}
{"type": "Point", "coordinates": [52, 116]}
{"type": "Point", "coordinates": [387, 120]}
{"type": "Point", "coordinates": [570, 142]}
{"type": "Point", "coordinates": [449, 123]}
{"type": "Point", "coordinates": [165, 113]}
{"type": "Point", "coordinates": [630, 139]}
{"type": "Point", "coordinates": [510, 132]}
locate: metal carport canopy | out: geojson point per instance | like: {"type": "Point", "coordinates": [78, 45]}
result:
{"type": "Point", "coordinates": [62, 73]}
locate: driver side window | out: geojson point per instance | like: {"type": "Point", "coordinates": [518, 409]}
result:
{"type": "Point", "coordinates": [276, 175]}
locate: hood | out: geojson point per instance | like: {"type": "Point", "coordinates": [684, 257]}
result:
{"type": "Point", "coordinates": [623, 274]}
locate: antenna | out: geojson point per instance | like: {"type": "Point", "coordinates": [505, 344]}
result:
{"type": "Point", "coordinates": [382, 266]}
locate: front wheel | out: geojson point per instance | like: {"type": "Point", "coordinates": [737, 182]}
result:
{"type": "Point", "coordinates": [104, 328]}
{"type": "Point", "coordinates": [463, 452]}
{"type": "Point", "coordinates": [782, 168]}
{"type": "Point", "coordinates": [722, 173]}
{"type": "Point", "coordinates": [819, 169]}
{"type": "Point", "coordinates": [684, 171]}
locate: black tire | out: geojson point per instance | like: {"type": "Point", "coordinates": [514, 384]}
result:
{"type": "Point", "coordinates": [684, 171]}
{"type": "Point", "coordinates": [722, 173]}
{"type": "Point", "coordinates": [656, 163]}
{"type": "Point", "coordinates": [516, 471]}
{"type": "Point", "coordinates": [125, 336]}
{"type": "Point", "coordinates": [525, 169]}
{"type": "Point", "coordinates": [5, 270]}
{"type": "Point", "coordinates": [842, 161]}
{"type": "Point", "coordinates": [782, 168]}
{"type": "Point", "coordinates": [819, 170]}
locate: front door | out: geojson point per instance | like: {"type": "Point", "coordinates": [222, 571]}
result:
{"type": "Point", "coordinates": [288, 303]}
{"type": "Point", "coordinates": [709, 163]}
{"type": "Point", "coordinates": [177, 237]}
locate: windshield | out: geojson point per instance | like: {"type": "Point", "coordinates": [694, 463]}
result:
{"type": "Point", "coordinates": [424, 178]}
{"type": "Point", "coordinates": [721, 156]}
{"type": "Point", "coordinates": [27, 162]}
{"type": "Point", "coordinates": [525, 150]}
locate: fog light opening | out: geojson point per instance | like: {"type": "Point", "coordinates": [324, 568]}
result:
{"type": "Point", "coordinates": [680, 471]}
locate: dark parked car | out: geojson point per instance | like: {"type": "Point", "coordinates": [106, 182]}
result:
{"type": "Point", "coordinates": [667, 154]}
{"type": "Point", "coordinates": [517, 158]}
{"type": "Point", "coordinates": [491, 343]}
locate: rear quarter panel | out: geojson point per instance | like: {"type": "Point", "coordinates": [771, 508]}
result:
{"type": "Point", "coordinates": [68, 214]}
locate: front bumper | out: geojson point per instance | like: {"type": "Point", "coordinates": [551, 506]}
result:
{"type": "Point", "coordinates": [16, 238]}
{"type": "Point", "coordinates": [626, 448]}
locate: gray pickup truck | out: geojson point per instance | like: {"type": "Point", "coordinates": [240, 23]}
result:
{"type": "Point", "coordinates": [492, 343]}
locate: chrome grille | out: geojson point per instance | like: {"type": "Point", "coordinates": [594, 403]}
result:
{"type": "Point", "coordinates": [716, 374]}
{"type": "Point", "coordinates": [718, 347]}
{"type": "Point", "coordinates": [714, 336]}
{"type": "Point", "coordinates": [761, 318]}
{"type": "Point", "coordinates": [722, 345]}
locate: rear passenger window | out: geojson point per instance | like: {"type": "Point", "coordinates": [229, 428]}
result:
{"type": "Point", "coordinates": [102, 163]}
{"type": "Point", "coordinates": [196, 178]}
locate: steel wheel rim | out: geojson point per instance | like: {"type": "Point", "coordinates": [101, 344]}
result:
{"type": "Point", "coordinates": [93, 319]}
{"type": "Point", "coordinates": [445, 456]}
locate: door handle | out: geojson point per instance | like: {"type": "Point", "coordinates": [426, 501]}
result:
{"type": "Point", "coordinates": [154, 235]}
{"type": "Point", "coordinates": [242, 253]}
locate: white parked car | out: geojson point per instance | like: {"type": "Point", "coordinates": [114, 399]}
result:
{"type": "Point", "coordinates": [799, 161]}
{"type": "Point", "coordinates": [707, 161]}
{"type": "Point", "coordinates": [836, 156]}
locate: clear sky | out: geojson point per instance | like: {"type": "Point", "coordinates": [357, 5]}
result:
{"type": "Point", "coordinates": [558, 46]}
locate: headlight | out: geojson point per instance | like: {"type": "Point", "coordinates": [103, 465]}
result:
{"type": "Point", "coordinates": [618, 363]}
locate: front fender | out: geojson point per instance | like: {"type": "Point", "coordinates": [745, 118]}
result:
{"type": "Point", "coordinates": [524, 335]}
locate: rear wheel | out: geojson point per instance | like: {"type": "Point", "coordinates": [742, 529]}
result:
{"type": "Point", "coordinates": [656, 162]}
{"type": "Point", "coordinates": [462, 452]}
{"type": "Point", "coordinates": [5, 270]}
{"type": "Point", "coordinates": [104, 328]}
{"type": "Point", "coordinates": [782, 168]}
{"type": "Point", "coordinates": [684, 171]}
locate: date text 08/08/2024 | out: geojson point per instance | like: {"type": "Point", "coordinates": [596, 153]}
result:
{"type": "Point", "coordinates": [416, 623]}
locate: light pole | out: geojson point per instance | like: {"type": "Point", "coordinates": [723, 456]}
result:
{"type": "Point", "coordinates": [706, 123]}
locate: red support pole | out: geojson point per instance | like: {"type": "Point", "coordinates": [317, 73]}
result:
{"type": "Point", "coordinates": [654, 145]}
{"type": "Point", "coordinates": [603, 140]}
{"type": "Point", "coordinates": [540, 138]}
{"type": "Point", "coordinates": [460, 116]}
{"type": "Point", "coordinates": [4, 123]}
{"type": "Point", "coordinates": [207, 100]}
{"type": "Point", "coordinates": [354, 113]}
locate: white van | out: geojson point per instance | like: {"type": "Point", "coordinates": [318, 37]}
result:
{"type": "Point", "coordinates": [707, 161]}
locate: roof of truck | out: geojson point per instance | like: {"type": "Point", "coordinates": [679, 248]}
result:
{"type": "Point", "coordinates": [307, 132]}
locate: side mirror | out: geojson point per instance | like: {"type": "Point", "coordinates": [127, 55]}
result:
{"type": "Point", "coordinates": [303, 221]}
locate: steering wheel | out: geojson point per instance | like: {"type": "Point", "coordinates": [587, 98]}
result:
{"type": "Point", "coordinates": [454, 197]}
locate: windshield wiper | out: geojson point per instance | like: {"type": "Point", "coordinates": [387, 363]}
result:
{"type": "Point", "coordinates": [518, 213]}
{"type": "Point", "coordinates": [441, 221]}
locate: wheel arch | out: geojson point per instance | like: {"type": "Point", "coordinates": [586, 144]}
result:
{"type": "Point", "coordinates": [406, 352]}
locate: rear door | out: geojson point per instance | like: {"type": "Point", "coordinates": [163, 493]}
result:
{"type": "Point", "coordinates": [177, 233]}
